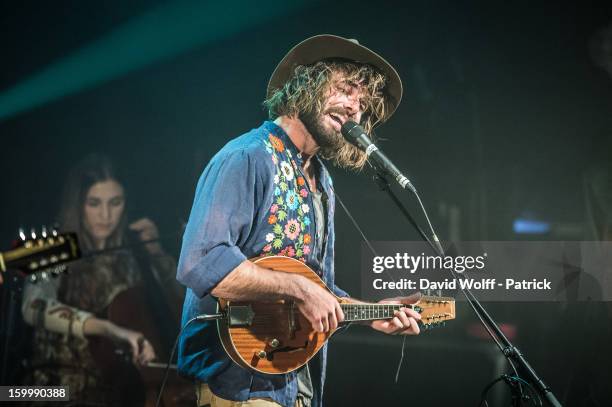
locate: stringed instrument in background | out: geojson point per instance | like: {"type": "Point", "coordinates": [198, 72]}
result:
{"type": "Point", "coordinates": [275, 338]}
{"type": "Point", "coordinates": [153, 310]}
{"type": "Point", "coordinates": [39, 257]}
{"type": "Point", "coordinates": [42, 256]}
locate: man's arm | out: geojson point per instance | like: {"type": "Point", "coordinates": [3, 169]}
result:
{"type": "Point", "coordinates": [250, 282]}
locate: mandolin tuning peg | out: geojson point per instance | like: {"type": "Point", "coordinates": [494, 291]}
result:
{"type": "Point", "coordinates": [33, 233]}
{"type": "Point", "coordinates": [59, 269]}
{"type": "Point", "coordinates": [54, 230]}
{"type": "Point", "coordinates": [22, 235]}
{"type": "Point", "coordinates": [43, 232]}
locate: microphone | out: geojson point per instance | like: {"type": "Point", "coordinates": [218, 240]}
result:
{"type": "Point", "coordinates": [356, 135]}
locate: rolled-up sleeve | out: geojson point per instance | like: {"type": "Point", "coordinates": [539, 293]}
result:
{"type": "Point", "coordinates": [221, 219]}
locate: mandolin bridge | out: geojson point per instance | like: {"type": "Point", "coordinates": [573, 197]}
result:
{"type": "Point", "coordinates": [286, 349]}
{"type": "Point", "coordinates": [240, 315]}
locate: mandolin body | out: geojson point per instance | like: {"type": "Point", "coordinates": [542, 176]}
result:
{"type": "Point", "coordinates": [275, 338]}
{"type": "Point", "coordinates": [278, 339]}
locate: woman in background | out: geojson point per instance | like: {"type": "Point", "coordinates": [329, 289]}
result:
{"type": "Point", "coordinates": [68, 311]}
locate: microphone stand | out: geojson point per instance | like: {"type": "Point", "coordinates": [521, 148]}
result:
{"type": "Point", "coordinates": [511, 352]}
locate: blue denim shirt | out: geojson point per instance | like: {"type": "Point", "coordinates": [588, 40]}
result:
{"type": "Point", "coordinates": [252, 199]}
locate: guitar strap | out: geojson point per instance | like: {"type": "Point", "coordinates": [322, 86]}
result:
{"type": "Point", "coordinates": [367, 242]}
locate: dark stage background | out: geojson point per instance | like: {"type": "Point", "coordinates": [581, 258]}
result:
{"type": "Point", "coordinates": [506, 115]}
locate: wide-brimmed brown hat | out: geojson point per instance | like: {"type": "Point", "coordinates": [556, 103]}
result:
{"type": "Point", "coordinates": [326, 46]}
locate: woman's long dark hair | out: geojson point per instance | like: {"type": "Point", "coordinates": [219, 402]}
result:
{"type": "Point", "coordinates": [89, 171]}
{"type": "Point", "coordinates": [91, 281]}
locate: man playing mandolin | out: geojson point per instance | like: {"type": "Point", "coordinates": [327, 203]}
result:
{"type": "Point", "coordinates": [268, 192]}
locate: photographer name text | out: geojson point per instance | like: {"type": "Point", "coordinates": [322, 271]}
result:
{"type": "Point", "coordinates": [462, 283]}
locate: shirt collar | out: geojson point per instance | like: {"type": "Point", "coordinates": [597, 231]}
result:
{"type": "Point", "coordinates": [323, 174]}
{"type": "Point", "coordinates": [280, 133]}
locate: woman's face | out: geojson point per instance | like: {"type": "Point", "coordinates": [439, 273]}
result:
{"type": "Point", "coordinates": [104, 205]}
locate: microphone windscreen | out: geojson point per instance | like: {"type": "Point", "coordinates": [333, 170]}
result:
{"type": "Point", "coordinates": [351, 130]}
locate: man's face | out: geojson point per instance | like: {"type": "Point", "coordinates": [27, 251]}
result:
{"type": "Point", "coordinates": [342, 102]}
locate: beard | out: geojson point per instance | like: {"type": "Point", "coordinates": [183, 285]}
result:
{"type": "Point", "coordinates": [332, 145]}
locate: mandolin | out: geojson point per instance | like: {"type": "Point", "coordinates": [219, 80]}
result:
{"type": "Point", "coordinates": [275, 338]}
{"type": "Point", "coordinates": [43, 256]}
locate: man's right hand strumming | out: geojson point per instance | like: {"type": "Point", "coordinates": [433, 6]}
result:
{"type": "Point", "coordinates": [249, 282]}
{"type": "Point", "coordinates": [318, 305]}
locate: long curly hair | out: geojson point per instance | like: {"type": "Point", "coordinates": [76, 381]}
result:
{"type": "Point", "coordinates": [304, 93]}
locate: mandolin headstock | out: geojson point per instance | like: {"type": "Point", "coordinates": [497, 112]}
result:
{"type": "Point", "coordinates": [41, 255]}
{"type": "Point", "coordinates": [435, 310]}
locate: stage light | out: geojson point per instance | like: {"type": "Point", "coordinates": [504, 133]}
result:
{"type": "Point", "coordinates": [160, 33]}
{"type": "Point", "coordinates": [530, 227]}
